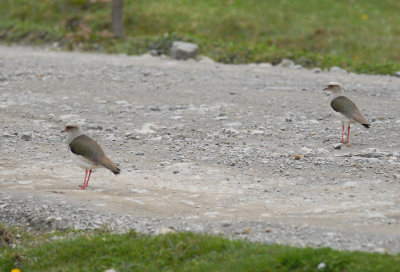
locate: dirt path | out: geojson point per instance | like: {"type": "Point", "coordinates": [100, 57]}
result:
{"type": "Point", "coordinates": [202, 146]}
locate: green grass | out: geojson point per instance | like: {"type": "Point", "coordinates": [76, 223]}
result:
{"type": "Point", "coordinates": [101, 250]}
{"type": "Point", "coordinates": [360, 36]}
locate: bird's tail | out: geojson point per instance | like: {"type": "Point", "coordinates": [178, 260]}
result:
{"type": "Point", "coordinates": [107, 163]}
{"type": "Point", "coordinates": [366, 125]}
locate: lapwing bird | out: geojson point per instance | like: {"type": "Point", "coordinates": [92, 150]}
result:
{"type": "Point", "coordinates": [344, 108]}
{"type": "Point", "coordinates": [86, 153]}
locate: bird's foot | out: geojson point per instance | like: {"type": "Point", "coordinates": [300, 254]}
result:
{"type": "Point", "coordinates": [82, 187]}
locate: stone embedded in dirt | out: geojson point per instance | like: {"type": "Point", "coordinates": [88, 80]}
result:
{"type": "Point", "coordinates": [337, 69]}
{"type": "Point", "coordinates": [316, 70]}
{"type": "Point", "coordinates": [338, 146]}
{"type": "Point", "coordinates": [221, 117]}
{"type": "Point", "coordinates": [307, 151]}
{"type": "Point", "coordinates": [350, 184]}
{"type": "Point", "coordinates": [246, 230]}
{"type": "Point", "coordinates": [296, 156]}
{"type": "Point", "coordinates": [184, 50]}
{"type": "Point", "coordinates": [373, 153]}
{"type": "Point", "coordinates": [26, 136]}
{"type": "Point", "coordinates": [322, 151]}
{"type": "Point", "coordinates": [286, 63]}
{"type": "Point", "coordinates": [164, 230]}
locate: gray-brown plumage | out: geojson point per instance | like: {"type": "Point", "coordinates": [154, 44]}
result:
{"type": "Point", "coordinates": [345, 109]}
{"type": "Point", "coordinates": [86, 153]}
{"type": "Point", "coordinates": [85, 146]}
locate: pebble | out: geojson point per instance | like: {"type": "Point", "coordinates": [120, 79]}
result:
{"type": "Point", "coordinates": [286, 63]}
{"type": "Point", "coordinates": [26, 136]}
{"type": "Point", "coordinates": [164, 230]}
{"type": "Point", "coordinates": [296, 156]}
{"type": "Point", "coordinates": [316, 70]}
{"type": "Point", "coordinates": [337, 146]}
{"type": "Point", "coordinates": [350, 184]}
{"type": "Point", "coordinates": [321, 266]}
{"type": "Point", "coordinates": [184, 50]}
{"type": "Point", "coordinates": [337, 69]}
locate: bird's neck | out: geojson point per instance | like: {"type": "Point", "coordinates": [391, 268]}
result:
{"type": "Point", "coordinates": [334, 95]}
{"type": "Point", "coordinates": [72, 136]}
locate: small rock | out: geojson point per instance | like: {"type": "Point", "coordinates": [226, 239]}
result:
{"type": "Point", "coordinates": [397, 74]}
{"type": "Point", "coordinates": [246, 231]}
{"type": "Point", "coordinates": [154, 108]}
{"type": "Point", "coordinates": [26, 137]}
{"type": "Point", "coordinates": [164, 230]}
{"type": "Point", "coordinates": [265, 65]}
{"type": "Point", "coordinates": [221, 117]}
{"type": "Point", "coordinates": [306, 151]}
{"type": "Point", "coordinates": [205, 59]}
{"type": "Point", "coordinates": [257, 132]}
{"type": "Point", "coordinates": [337, 146]}
{"type": "Point", "coordinates": [267, 230]}
{"type": "Point", "coordinates": [153, 53]}
{"type": "Point", "coordinates": [296, 156]}
{"type": "Point", "coordinates": [176, 171]}
{"type": "Point", "coordinates": [322, 151]}
{"type": "Point", "coordinates": [350, 184]}
{"type": "Point", "coordinates": [110, 270]}
{"type": "Point", "coordinates": [321, 266]}
{"type": "Point", "coordinates": [286, 63]}
{"type": "Point", "coordinates": [381, 250]}
{"type": "Point", "coordinates": [184, 50]}
{"type": "Point", "coordinates": [316, 70]}
{"type": "Point", "coordinates": [337, 69]}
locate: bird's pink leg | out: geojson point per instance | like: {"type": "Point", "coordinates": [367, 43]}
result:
{"type": "Point", "coordinates": [87, 181]}
{"type": "Point", "coordinates": [84, 181]}
{"type": "Point", "coordinates": [348, 133]}
{"type": "Point", "coordinates": [342, 132]}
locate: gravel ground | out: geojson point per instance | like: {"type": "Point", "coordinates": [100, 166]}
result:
{"type": "Point", "coordinates": [246, 151]}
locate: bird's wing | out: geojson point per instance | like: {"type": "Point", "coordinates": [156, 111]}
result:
{"type": "Point", "coordinates": [86, 147]}
{"type": "Point", "coordinates": [347, 107]}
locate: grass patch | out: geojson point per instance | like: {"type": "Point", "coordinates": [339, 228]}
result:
{"type": "Point", "coordinates": [360, 36]}
{"type": "Point", "coordinates": [101, 250]}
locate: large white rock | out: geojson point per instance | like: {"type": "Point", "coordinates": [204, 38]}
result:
{"type": "Point", "coordinates": [184, 50]}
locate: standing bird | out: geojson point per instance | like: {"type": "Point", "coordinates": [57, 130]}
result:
{"type": "Point", "coordinates": [344, 108]}
{"type": "Point", "coordinates": [86, 153]}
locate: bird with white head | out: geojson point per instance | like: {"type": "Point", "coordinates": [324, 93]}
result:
{"type": "Point", "coordinates": [345, 109]}
{"type": "Point", "coordinates": [86, 153]}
